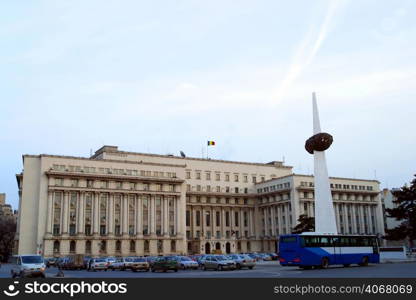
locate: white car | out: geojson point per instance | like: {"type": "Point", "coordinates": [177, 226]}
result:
{"type": "Point", "coordinates": [98, 264]}
{"type": "Point", "coordinates": [30, 265]}
{"type": "Point", "coordinates": [187, 263]}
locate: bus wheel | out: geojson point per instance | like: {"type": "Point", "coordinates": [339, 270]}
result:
{"type": "Point", "coordinates": [364, 262]}
{"type": "Point", "coordinates": [324, 263]}
{"type": "Point", "coordinates": [346, 265]}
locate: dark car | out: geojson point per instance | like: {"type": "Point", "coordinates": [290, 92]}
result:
{"type": "Point", "coordinates": [165, 264]}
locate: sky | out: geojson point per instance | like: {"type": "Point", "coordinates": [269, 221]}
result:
{"type": "Point", "coordinates": [166, 76]}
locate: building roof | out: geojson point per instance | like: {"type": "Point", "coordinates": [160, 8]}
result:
{"type": "Point", "coordinates": [114, 149]}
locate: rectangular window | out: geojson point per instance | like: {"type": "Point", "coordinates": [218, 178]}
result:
{"type": "Point", "coordinates": [198, 175]}
{"type": "Point", "coordinates": [217, 177]}
{"type": "Point", "coordinates": [188, 175]}
{"type": "Point", "coordinates": [198, 218]}
{"type": "Point", "coordinates": [245, 178]}
{"type": "Point", "coordinates": [227, 218]}
{"type": "Point", "coordinates": [102, 230]}
{"type": "Point", "coordinates": [236, 218]}
{"type": "Point", "coordinates": [217, 218]}
{"type": "Point", "coordinates": [208, 176]}
{"type": "Point", "coordinates": [56, 229]}
{"type": "Point", "coordinates": [254, 179]}
{"type": "Point", "coordinates": [188, 218]}
{"type": "Point", "coordinates": [227, 177]}
{"type": "Point", "coordinates": [235, 178]}
{"type": "Point", "coordinates": [207, 218]}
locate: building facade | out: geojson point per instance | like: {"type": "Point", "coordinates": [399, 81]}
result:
{"type": "Point", "coordinates": [6, 210]}
{"type": "Point", "coordinates": [127, 203]}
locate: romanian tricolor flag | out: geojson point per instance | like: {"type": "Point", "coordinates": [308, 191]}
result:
{"type": "Point", "coordinates": [211, 143]}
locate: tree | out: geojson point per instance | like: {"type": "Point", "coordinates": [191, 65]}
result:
{"type": "Point", "coordinates": [7, 234]}
{"type": "Point", "coordinates": [305, 224]}
{"type": "Point", "coordinates": [405, 211]}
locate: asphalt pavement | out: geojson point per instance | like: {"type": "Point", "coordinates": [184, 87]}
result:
{"type": "Point", "coordinates": [262, 270]}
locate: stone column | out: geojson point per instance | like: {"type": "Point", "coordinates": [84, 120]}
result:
{"type": "Point", "coordinates": [80, 226]}
{"type": "Point", "coordinates": [287, 218]}
{"type": "Point", "coordinates": [139, 218]}
{"type": "Point", "coordinates": [273, 217]}
{"type": "Point", "coordinates": [152, 216]}
{"type": "Point", "coordinates": [175, 216]}
{"type": "Point", "coordinates": [65, 213]}
{"type": "Point", "coordinates": [165, 211]}
{"type": "Point", "coordinates": [362, 219]}
{"type": "Point", "coordinates": [125, 214]}
{"type": "Point", "coordinates": [96, 210]}
{"type": "Point", "coordinates": [251, 222]}
{"type": "Point", "coordinates": [222, 222]}
{"type": "Point", "coordinates": [337, 214]}
{"type": "Point", "coordinates": [266, 221]}
{"type": "Point", "coordinates": [49, 227]}
{"type": "Point", "coordinates": [346, 222]}
{"type": "Point", "coordinates": [110, 214]}
{"type": "Point", "coordinates": [354, 219]}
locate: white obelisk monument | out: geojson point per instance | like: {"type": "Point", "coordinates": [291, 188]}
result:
{"type": "Point", "coordinates": [324, 208]}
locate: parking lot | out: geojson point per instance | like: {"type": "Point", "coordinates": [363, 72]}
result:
{"type": "Point", "coordinates": [270, 269]}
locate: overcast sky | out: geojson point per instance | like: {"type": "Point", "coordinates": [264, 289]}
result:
{"type": "Point", "coordinates": [165, 76]}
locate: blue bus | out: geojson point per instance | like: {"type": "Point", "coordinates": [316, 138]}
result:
{"type": "Point", "coordinates": [307, 250]}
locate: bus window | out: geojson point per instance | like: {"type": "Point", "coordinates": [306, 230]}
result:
{"type": "Point", "coordinates": [288, 239]}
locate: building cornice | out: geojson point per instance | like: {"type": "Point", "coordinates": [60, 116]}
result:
{"type": "Point", "coordinates": [98, 176]}
{"type": "Point", "coordinates": [104, 160]}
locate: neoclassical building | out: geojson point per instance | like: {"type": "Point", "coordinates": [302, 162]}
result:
{"type": "Point", "coordinates": [126, 203]}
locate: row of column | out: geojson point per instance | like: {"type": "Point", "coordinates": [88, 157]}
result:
{"type": "Point", "coordinates": [222, 226]}
{"type": "Point", "coordinates": [110, 224]}
{"type": "Point", "coordinates": [356, 210]}
{"type": "Point", "coordinates": [280, 224]}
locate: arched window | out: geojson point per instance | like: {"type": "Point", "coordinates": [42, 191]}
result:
{"type": "Point", "coordinates": [118, 246]}
{"type": "Point", "coordinates": [72, 247]}
{"type": "Point", "coordinates": [56, 246]}
{"type": "Point", "coordinates": [248, 246]}
{"type": "Point", "coordinates": [146, 246]}
{"type": "Point", "coordinates": [88, 247]}
{"type": "Point", "coordinates": [173, 246]}
{"type": "Point", "coordinates": [132, 246]}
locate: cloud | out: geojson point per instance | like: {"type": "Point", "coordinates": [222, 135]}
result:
{"type": "Point", "coordinates": [308, 48]}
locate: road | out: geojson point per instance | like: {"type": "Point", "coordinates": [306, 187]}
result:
{"type": "Point", "coordinates": [262, 270]}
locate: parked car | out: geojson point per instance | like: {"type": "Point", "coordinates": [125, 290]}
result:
{"type": "Point", "coordinates": [151, 259]}
{"type": "Point", "coordinates": [86, 261]}
{"type": "Point", "coordinates": [265, 256]}
{"type": "Point", "coordinates": [97, 264]}
{"type": "Point", "coordinates": [111, 261]}
{"type": "Point", "coordinates": [201, 260]}
{"type": "Point", "coordinates": [74, 262]}
{"type": "Point", "coordinates": [27, 266]}
{"type": "Point", "coordinates": [187, 263]}
{"type": "Point", "coordinates": [243, 261]}
{"type": "Point", "coordinates": [50, 261]}
{"type": "Point", "coordinates": [219, 263]}
{"type": "Point", "coordinates": [274, 256]}
{"type": "Point", "coordinates": [139, 263]}
{"type": "Point", "coordinates": [165, 264]}
{"type": "Point", "coordinates": [120, 263]}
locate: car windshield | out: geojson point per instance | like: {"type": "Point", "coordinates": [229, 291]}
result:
{"type": "Point", "coordinates": [139, 260]}
{"type": "Point", "coordinates": [100, 260]}
{"type": "Point", "coordinates": [186, 259]}
{"type": "Point", "coordinates": [32, 259]}
{"type": "Point", "coordinates": [221, 257]}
